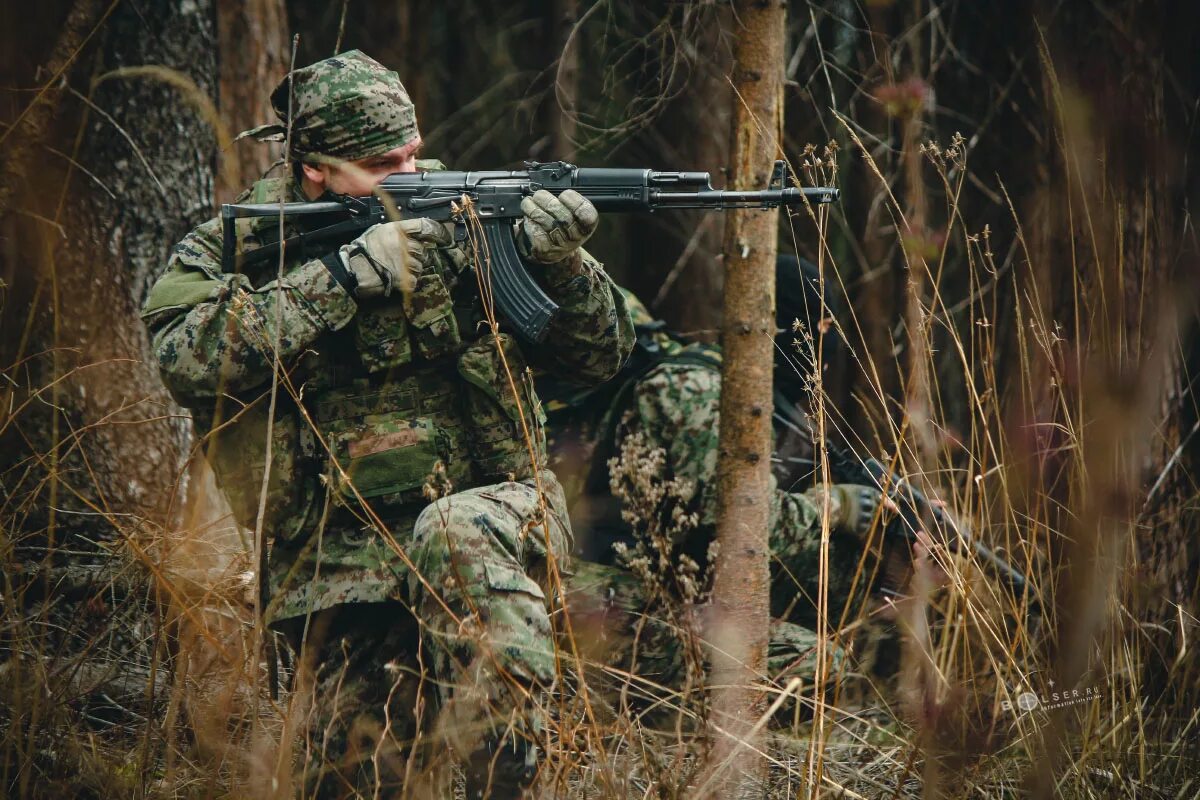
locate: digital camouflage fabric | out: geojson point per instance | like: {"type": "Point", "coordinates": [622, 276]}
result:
{"type": "Point", "coordinates": [365, 370]}
{"type": "Point", "coordinates": [634, 659]}
{"type": "Point", "coordinates": [368, 668]}
{"type": "Point", "coordinates": [343, 108]}
{"type": "Point", "coordinates": [675, 407]}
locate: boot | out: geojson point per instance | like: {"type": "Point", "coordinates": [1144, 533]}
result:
{"type": "Point", "coordinates": [501, 770]}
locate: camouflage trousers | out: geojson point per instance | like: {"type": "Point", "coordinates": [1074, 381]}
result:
{"type": "Point", "coordinates": [374, 720]}
{"type": "Point", "coordinates": [645, 661]}
{"type": "Point", "coordinates": [461, 659]}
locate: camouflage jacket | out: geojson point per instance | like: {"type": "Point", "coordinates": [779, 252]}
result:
{"type": "Point", "coordinates": [374, 399]}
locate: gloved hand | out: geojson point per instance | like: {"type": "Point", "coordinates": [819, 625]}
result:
{"type": "Point", "coordinates": [555, 227]}
{"type": "Point", "coordinates": [852, 506]}
{"type": "Point", "coordinates": [386, 256]}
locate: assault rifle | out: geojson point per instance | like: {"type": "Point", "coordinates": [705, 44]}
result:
{"type": "Point", "coordinates": [496, 196]}
{"type": "Point", "coordinates": [914, 507]}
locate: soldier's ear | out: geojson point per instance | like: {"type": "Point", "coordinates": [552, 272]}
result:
{"type": "Point", "coordinates": [314, 179]}
{"type": "Point", "coordinates": [314, 173]}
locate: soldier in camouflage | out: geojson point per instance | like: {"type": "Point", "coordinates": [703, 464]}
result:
{"type": "Point", "coordinates": [412, 616]}
{"type": "Point", "coordinates": [666, 399]}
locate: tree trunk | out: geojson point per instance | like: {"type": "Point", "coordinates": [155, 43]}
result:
{"type": "Point", "coordinates": [87, 263]}
{"type": "Point", "coordinates": [253, 52]}
{"type": "Point", "coordinates": [560, 104]}
{"type": "Point", "coordinates": [738, 628]}
{"type": "Point", "coordinates": [91, 445]}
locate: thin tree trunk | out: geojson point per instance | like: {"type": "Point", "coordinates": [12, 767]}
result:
{"type": "Point", "coordinates": [738, 629]}
{"type": "Point", "coordinates": [252, 55]}
{"type": "Point", "coordinates": [560, 105]}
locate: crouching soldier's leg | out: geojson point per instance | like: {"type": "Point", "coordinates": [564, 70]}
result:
{"type": "Point", "coordinates": [362, 696]}
{"type": "Point", "coordinates": [480, 596]}
{"type": "Point", "coordinates": [642, 658]}
{"type": "Point", "coordinates": [795, 545]}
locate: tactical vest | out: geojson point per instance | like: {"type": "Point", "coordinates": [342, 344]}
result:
{"type": "Point", "coordinates": [408, 394]}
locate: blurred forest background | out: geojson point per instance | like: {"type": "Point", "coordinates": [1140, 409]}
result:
{"type": "Point", "coordinates": [1018, 301]}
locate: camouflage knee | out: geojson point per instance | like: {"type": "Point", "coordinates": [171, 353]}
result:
{"type": "Point", "coordinates": [486, 623]}
{"type": "Point", "coordinates": [484, 601]}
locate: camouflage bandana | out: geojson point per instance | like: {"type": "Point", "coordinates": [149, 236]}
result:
{"type": "Point", "coordinates": [345, 108]}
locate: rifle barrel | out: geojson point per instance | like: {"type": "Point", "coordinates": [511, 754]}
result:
{"type": "Point", "coordinates": [724, 198]}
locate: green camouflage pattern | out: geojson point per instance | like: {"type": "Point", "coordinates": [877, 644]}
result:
{"type": "Point", "coordinates": [364, 732]}
{"type": "Point", "coordinates": [344, 108]}
{"type": "Point", "coordinates": [641, 316]}
{"type": "Point", "coordinates": [669, 395]}
{"type": "Point", "coordinates": [652, 333]}
{"type": "Point", "coordinates": [676, 407]}
{"type": "Point", "coordinates": [450, 661]}
{"type": "Point", "coordinates": [380, 407]}
{"type": "Point", "coordinates": [486, 614]}
{"type": "Point", "coordinates": [636, 654]}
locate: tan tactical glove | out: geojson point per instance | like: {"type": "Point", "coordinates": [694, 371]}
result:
{"type": "Point", "coordinates": [852, 507]}
{"type": "Point", "coordinates": [387, 255]}
{"type": "Point", "coordinates": [555, 227]}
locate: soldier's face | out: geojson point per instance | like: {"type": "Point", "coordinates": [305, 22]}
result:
{"type": "Point", "coordinates": [358, 177]}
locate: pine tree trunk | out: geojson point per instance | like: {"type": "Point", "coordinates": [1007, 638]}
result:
{"type": "Point", "coordinates": [738, 628]}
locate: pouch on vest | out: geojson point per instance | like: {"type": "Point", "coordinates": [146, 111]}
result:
{"type": "Point", "coordinates": [381, 336]}
{"type": "Point", "coordinates": [386, 451]}
{"type": "Point", "coordinates": [430, 312]}
{"type": "Point", "coordinates": [493, 413]}
{"type": "Point", "coordinates": [237, 454]}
